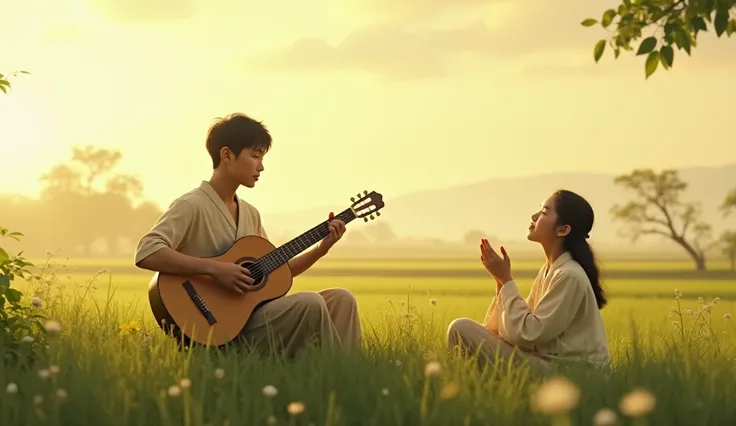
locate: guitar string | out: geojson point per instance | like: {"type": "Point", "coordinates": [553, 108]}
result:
{"type": "Point", "coordinates": [282, 254]}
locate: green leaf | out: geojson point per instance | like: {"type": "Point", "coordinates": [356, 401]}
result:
{"type": "Point", "coordinates": [720, 23]}
{"type": "Point", "coordinates": [13, 295]}
{"type": "Point", "coordinates": [697, 23]}
{"type": "Point", "coordinates": [589, 22]}
{"type": "Point", "coordinates": [731, 27]}
{"type": "Point", "coordinates": [598, 50]}
{"type": "Point", "coordinates": [682, 40]}
{"type": "Point", "coordinates": [608, 18]}
{"type": "Point", "coordinates": [651, 64]}
{"type": "Point", "coordinates": [616, 52]}
{"type": "Point", "coordinates": [3, 255]}
{"type": "Point", "coordinates": [3, 89]}
{"type": "Point", "coordinates": [667, 55]}
{"type": "Point", "coordinates": [647, 45]}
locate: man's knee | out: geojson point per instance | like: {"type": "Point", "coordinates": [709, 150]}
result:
{"type": "Point", "coordinates": [341, 297]}
{"type": "Point", "coordinates": [309, 302]}
{"type": "Point", "coordinates": [459, 329]}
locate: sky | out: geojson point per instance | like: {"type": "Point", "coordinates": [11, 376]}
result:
{"type": "Point", "coordinates": [357, 94]}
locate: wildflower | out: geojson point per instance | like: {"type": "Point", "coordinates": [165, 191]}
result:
{"type": "Point", "coordinates": [432, 302]}
{"type": "Point", "coordinates": [174, 391]}
{"type": "Point", "coordinates": [27, 339]}
{"type": "Point", "coordinates": [398, 363]}
{"type": "Point", "coordinates": [700, 301]}
{"type": "Point", "coordinates": [36, 301]}
{"type": "Point", "coordinates": [449, 390]}
{"type": "Point", "coordinates": [295, 408]}
{"type": "Point", "coordinates": [556, 396]}
{"type": "Point", "coordinates": [604, 417]}
{"type": "Point", "coordinates": [11, 388]}
{"type": "Point", "coordinates": [52, 327]}
{"type": "Point", "coordinates": [61, 394]}
{"type": "Point", "coordinates": [402, 303]}
{"type": "Point", "coordinates": [185, 383]}
{"type": "Point", "coordinates": [727, 316]}
{"type": "Point", "coordinates": [129, 328]}
{"type": "Point", "coordinates": [384, 392]}
{"type": "Point", "coordinates": [270, 391]}
{"type": "Point", "coordinates": [432, 369]}
{"type": "Point", "coordinates": [637, 403]}
{"type": "Point", "coordinates": [38, 399]}
{"type": "Point", "coordinates": [707, 308]}
{"type": "Point", "coordinates": [44, 373]}
{"type": "Point", "coordinates": [678, 294]}
{"type": "Point", "coordinates": [271, 420]}
{"type": "Point", "coordinates": [219, 373]}
{"type": "Point", "coordinates": [54, 369]}
{"type": "Point", "coordinates": [716, 300]}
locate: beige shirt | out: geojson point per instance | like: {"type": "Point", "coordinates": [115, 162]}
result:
{"type": "Point", "coordinates": [558, 320]}
{"type": "Point", "coordinates": [199, 224]}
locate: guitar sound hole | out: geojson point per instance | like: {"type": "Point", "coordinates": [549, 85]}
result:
{"type": "Point", "coordinates": [255, 272]}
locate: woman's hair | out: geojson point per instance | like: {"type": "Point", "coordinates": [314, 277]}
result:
{"type": "Point", "coordinates": [575, 211]}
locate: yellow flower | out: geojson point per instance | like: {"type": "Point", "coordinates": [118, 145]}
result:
{"type": "Point", "coordinates": [295, 408]}
{"type": "Point", "coordinates": [637, 403]}
{"type": "Point", "coordinates": [129, 328]}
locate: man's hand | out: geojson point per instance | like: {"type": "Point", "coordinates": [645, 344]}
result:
{"type": "Point", "coordinates": [337, 229]}
{"type": "Point", "coordinates": [233, 276]}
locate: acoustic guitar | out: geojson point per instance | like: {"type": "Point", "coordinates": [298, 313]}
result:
{"type": "Point", "coordinates": [197, 309]}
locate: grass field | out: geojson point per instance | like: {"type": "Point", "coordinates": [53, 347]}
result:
{"type": "Point", "coordinates": [113, 372]}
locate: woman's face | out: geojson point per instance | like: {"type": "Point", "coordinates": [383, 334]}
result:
{"type": "Point", "coordinates": [543, 227]}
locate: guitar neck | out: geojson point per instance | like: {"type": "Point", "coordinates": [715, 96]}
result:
{"type": "Point", "coordinates": [283, 254]}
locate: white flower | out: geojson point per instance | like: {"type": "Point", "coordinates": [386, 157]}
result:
{"type": "Point", "coordinates": [727, 316]}
{"type": "Point", "coordinates": [44, 373]}
{"type": "Point", "coordinates": [270, 391]}
{"type": "Point", "coordinates": [36, 301]}
{"type": "Point", "coordinates": [174, 391]}
{"type": "Point", "coordinates": [432, 369]}
{"type": "Point", "coordinates": [11, 388]}
{"type": "Point", "coordinates": [26, 339]}
{"type": "Point", "coordinates": [61, 393]}
{"type": "Point", "coordinates": [556, 396]}
{"type": "Point", "coordinates": [385, 392]}
{"type": "Point", "coordinates": [53, 327]}
{"type": "Point", "coordinates": [219, 373]}
{"type": "Point", "coordinates": [271, 420]}
{"type": "Point", "coordinates": [54, 369]}
{"type": "Point", "coordinates": [38, 399]}
{"type": "Point", "coordinates": [432, 302]}
{"type": "Point", "coordinates": [185, 383]}
{"type": "Point", "coordinates": [604, 417]}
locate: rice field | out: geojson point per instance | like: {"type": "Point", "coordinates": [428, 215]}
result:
{"type": "Point", "coordinates": [111, 365]}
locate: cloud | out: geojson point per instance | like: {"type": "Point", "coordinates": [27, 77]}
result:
{"type": "Point", "coordinates": [407, 9]}
{"type": "Point", "coordinates": [388, 48]}
{"type": "Point", "coordinates": [537, 28]}
{"type": "Point", "coordinates": [140, 11]}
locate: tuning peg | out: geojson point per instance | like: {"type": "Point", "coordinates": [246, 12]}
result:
{"type": "Point", "coordinates": [358, 195]}
{"type": "Point", "coordinates": [365, 192]}
{"type": "Point", "coordinates": [372, 217]}
{"type": "Point", "coordinates": [352, 199]}
{"type": "Point", "coordinates": [378, 213]}
{"type": "Point", "coordinates": [365, 219]}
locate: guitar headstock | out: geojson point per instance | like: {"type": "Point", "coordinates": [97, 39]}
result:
{"type": "Point", "coordinates": [367, 205]}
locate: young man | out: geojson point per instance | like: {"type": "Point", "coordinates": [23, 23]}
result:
{"type": "Point", "coordinates": [206, 221]}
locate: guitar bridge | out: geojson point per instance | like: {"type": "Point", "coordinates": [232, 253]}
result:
{"type": "Point", "coordinates": [198, 302]}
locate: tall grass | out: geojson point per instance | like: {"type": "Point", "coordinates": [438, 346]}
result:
{"type": "Point", "coordinates": [109, 365]}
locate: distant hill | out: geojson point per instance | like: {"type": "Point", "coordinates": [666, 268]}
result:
{"type": "Point", "coordinates": [502, 207]}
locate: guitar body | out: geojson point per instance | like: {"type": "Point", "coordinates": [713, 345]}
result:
{"type": "Point", "coordinates": [198, 309]}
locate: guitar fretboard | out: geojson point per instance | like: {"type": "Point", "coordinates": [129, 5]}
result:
{"type": "Point", "coordinates": [281, 255]}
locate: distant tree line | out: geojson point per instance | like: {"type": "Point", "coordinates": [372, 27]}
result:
{"type": "Point", "coordinates": [84, 203]}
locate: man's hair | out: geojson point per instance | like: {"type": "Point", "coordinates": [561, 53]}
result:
{"type": "Point", "coordinates": [238, 132]}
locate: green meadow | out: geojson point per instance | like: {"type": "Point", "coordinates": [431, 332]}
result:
{"type": "Point", "coordinates": [111, 365]}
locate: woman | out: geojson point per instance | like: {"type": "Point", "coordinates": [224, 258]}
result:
{"type": "Point", "coordinates": [560, 319]}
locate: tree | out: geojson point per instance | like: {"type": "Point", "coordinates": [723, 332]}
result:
{"type": "Point", "coordinates": [729, 203]}
{"type": "Point", "coordinates": [84, 191]}
{"type": "Point", "coordinates": [5, 83]}
{"type": "Point", "coordinates": [728, 242]}
{"type": "Point", "coordinates": [671, 23]}
{"type": "Point", "coordinates": [658, 210]}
